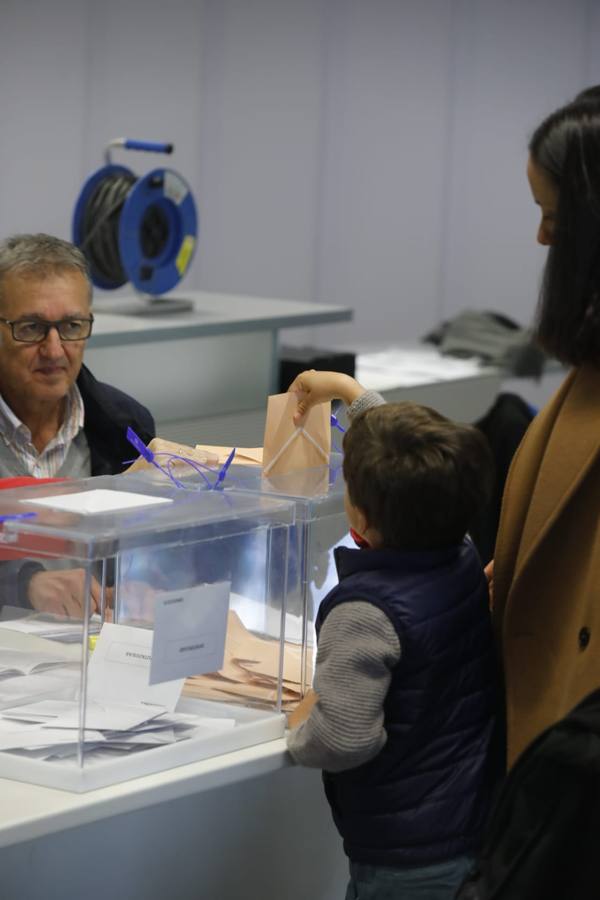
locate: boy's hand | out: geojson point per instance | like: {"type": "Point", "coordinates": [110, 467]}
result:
{"type": "Point", "coordinates": [489, 574]}
{"type": "Point", "coordinates": [312, 387]}
{"type": "Point", "coordinates": [302, 711]}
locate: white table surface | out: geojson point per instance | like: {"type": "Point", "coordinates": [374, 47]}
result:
{"type": "Point", "coordinates": [29, 811]}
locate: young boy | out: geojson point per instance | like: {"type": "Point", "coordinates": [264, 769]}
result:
{"type": "Point", "coordinates": [402, 714]}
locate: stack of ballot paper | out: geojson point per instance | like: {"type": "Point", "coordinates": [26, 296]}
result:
{"type": "Point", "coordinates": [33, 668]}
{"type": "Point", "coordinates": [19, 662]}
{"type": "Point", "coordinates": [49, 729]}
{"type": "Point", "coordinates": [55, 628]}
{"type": "Point", "coordinates": [250, 670]}
{"type": "Point", "coordinates": [42, 720]}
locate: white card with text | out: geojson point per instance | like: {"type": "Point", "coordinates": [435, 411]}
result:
{"type": "Point", "coordinates": [189, 631]}
{"type": "Point", "coordinates": [119, 669]}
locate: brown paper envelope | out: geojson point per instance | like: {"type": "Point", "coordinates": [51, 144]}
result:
{"type": "Point", "coordinates": [305, 483]}
{"type": "Point", "coordinates": [260, 656]}
{"type": "Point", "coordinates": [244, 456]}
{"type": "Point", "coordinates": [202, 686]}
{"type": "Point", "coordinates": [160, 445]}
{"type": "Point", "coordinates": [250, 669]}
{"type": "Point", "coordinates": [249, 651]}
{"type": "Point", "coordinates": [287, 447]}
{"type": "Point", "coordinates": [292, 665]}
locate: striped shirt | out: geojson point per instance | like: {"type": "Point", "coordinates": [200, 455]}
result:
{"type": "Point", "coordinates": [17, 437]}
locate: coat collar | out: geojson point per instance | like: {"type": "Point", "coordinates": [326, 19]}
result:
{"type": "Point", "coordinates": [560, 447]}
{"type": "Point", "coordinates": [350, 561]}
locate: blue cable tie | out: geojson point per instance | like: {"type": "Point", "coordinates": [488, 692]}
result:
{"type": "Point", "coordinates": [139, 445]}
{"type": "Point", "coordinates": [23, 515]}
{"type": "Point", "coordinates": [336, 424]}
{"type": "Point", "coordinates": [224, 467]}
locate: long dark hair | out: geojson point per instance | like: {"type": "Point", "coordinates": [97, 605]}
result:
{"type": "Point", "coordinates": [566, 146]}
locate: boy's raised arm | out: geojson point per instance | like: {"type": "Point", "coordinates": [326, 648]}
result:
{"type": "Point", "coordinates": [312, 387]}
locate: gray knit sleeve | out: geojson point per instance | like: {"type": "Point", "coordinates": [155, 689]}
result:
{"type": "Point", "coordinates": [365, 401]}
{"type": "Point", "coordinates": [358, 648]}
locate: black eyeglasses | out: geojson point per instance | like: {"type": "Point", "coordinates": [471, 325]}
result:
{"type": "Point", "coordinates": [34, 331]}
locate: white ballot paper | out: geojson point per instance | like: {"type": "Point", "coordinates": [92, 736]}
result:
{"type": "Point", "coordinates": [124, 713]}
{"type": "Point", "coordinates": [98, 500]}
{"type": "Point", "coordinates": [189, 631]}
{"type": "Point", "coordinates": [119, 670]}
{"type": "Point", "coordinates": [26, 738]}
{"type": "Point", "coordinates": [18, 662]}
{"type": "Point", "coordinates": [98, 716]}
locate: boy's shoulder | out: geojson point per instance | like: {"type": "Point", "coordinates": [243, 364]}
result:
{"type": "Point", "coordinates": [391, 578]}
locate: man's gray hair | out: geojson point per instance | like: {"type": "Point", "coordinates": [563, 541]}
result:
{"type": "Point", "coordinates": [39, 255]}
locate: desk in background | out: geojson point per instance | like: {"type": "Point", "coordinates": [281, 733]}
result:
{"type": "Point", "coordinates": [462, 389]}
{"type": "Point", "coordinates": [204, 374]}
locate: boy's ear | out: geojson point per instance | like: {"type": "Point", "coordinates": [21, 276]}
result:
{"type": "Point", "coordinates": [370, 534]}
{"type": "Point", "coordinates": [362, 525]}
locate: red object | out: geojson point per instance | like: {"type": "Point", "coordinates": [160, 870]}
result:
{"type": "Point", "coordinates": [6, 484]}
{"type": "Point", "coordinates": [24, 481]}
{"type": "Point", "coordinates": [359, 540]}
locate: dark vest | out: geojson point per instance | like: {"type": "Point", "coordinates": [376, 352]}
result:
{"type": "Point", "coordinates": [424, 798]}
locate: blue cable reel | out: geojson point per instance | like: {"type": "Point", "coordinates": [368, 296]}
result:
{"type": "Point", "coordinates": [134, 229]}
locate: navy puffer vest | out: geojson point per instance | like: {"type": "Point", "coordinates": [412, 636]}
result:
{"type": "Point", "coordinates": [424, 798]}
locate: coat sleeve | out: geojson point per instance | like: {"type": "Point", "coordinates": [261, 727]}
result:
{"type": "Point", "coordinates": [15, 576]}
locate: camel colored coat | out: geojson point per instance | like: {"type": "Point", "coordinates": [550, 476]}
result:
{"type": "Point", "coordinates": [547, 563]}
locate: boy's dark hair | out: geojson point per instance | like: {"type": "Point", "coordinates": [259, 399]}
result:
{"type": "Point", "coordinates": [566, 146]}
{"type": "Point", "coordinates": [589, 95]}
{"type": "Point", "coordinates": [418, 477]}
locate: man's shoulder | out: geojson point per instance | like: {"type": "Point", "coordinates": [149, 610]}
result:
{"type": "Point", "coordinates": [108, 402]}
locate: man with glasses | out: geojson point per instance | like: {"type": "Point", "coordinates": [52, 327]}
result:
{"type": "Point", "coordinates": [56, 420]}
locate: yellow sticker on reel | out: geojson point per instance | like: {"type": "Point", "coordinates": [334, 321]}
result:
{"type": "Point", "coordinates": [184, 256]}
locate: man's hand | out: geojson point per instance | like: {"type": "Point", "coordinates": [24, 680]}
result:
{"type": "Point", "coordinates": [61, 593]}
{"type": "Point", "coordinates": [302, 711]}
{"type": "Point", "coordinates": [312, 387]}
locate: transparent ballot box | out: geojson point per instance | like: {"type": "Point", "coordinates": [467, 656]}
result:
{"type": "Point", "coordinates": [141, 627]}
{"type": "Point", "coordinates": [320, 527]}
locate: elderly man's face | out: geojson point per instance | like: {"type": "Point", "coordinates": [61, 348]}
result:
{"type": "Point", "coordinates": [41, 373]}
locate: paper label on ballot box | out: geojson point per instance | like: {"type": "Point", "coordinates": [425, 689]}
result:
{"type": "Point", "coordinates": [189, 631]}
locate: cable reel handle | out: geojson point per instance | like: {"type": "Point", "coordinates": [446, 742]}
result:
{"type": "Point", "coordinates": [148, 146]}
{"type": "Point", "coordinates": [131, 144]}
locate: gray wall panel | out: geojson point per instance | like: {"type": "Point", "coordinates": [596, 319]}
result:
{"type": "Point", "coordinates": [370, 154]}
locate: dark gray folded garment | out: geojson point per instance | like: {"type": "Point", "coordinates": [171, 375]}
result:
{"type": "Point", "coordinates": [494, 338]}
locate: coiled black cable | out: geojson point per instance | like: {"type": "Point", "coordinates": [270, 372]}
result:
{"type": "Point", "coordinates": [100, 230]}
